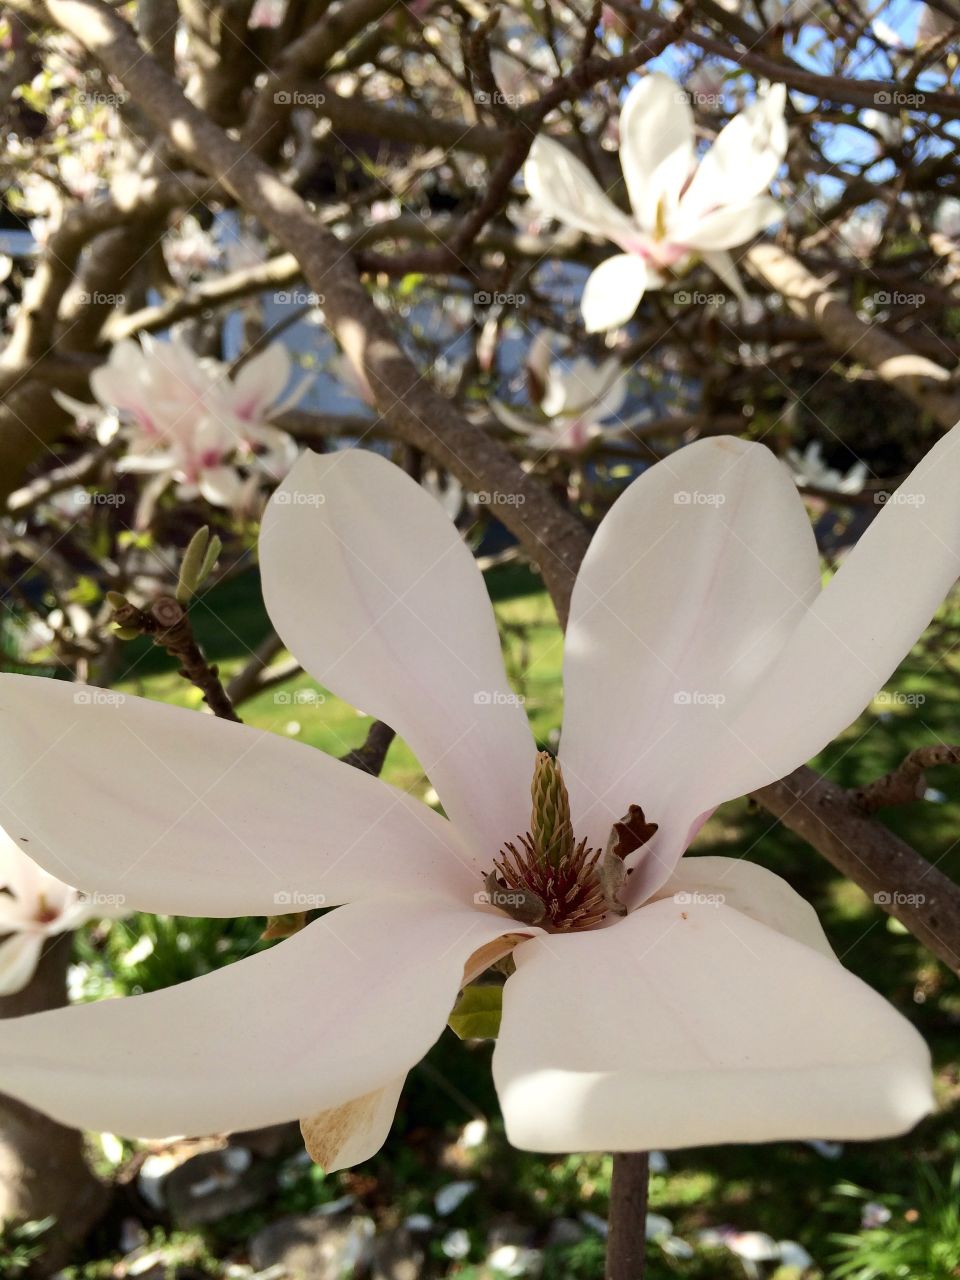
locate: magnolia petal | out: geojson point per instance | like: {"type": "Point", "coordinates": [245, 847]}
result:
{"type": "Point", "coordinates": [692, 583]}
{"type": "Point", "coordinates": [562, 186]}
{"type": "Point", "coordinates": [339, 1010]}
{"type": "Point", "coordinates": [19, 957]}
{"type": "Point", "coordinates": [721, 263]}
{"type": "Point", "coordinates": [613, 292]}
{"type": "Point", "coordinates": [259, 382]}
{"type": "Point", "coordinates": [743, 160]}
{"type": "Point", "coordinates": [656, 146]}
{"type": "Point", "coordinates": [727, 228]}
{"type": "Point", "coordinates": [686, 1026]}
{"type": "Point", "coordinates": [847, 644]}
{"type": "Point", "coordinates": [402, 627]}
{"type": "Point", "coordinates": [183, 814]}
{"type": "Point", "coordinates": [353, 1132]}
{"type": "Point", "coordinates": [750, 889]}
{"type": "Point", "coordinates": [221, 486]}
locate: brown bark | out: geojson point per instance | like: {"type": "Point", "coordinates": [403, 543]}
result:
{"type": "Point", "coordinates": [43, 1166]}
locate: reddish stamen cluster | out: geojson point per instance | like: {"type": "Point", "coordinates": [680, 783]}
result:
{"type": "Point", "coordinates": [570, 890]}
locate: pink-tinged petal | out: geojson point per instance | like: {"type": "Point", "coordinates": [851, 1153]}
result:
{"type": "Point", "coordinates": [259, 382]}
{"type": "Point", "coordinates": [855, 634]}
{"type": "Point", "coordinates": [337, 1011]}
{"type": "Point", "coordinates": [19, 957]}
{"type": "Point", "coordinates": [691, 585]}
{"type": "Point", "coordinates": [689, 1025]}
{"type": "Point", "coordinates": [349, 1134]}
{"type": "Point", "coordinates": [222, 486]}
{"type": "Point", "coordinates": [727, 228]}
{"type": "Point", "coordinates": [656, 146]}
{"type": "Point", "coordinates": [750, 889]}
{"type": "Point", "coordinates": [744, 159]}
{"type": "Point", "coordinates": [372, 588]}
{"type": "Point", "coordinates": [613, 292]}
{"type": "Point", "coordinates": [562, 186]}
{"type": "Point", "coordinates": [184, 814]}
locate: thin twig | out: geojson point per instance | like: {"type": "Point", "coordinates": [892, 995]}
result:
{"type": "Point", "coordinates": [168, 625]}
{"type": "Point", "coordinates": [907, 782]}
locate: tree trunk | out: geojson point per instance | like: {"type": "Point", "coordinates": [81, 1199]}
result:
{"type": "Point", "coordinates": [43, 1166]}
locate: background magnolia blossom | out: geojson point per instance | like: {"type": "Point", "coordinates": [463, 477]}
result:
{"type": "Point", "coordinates": [34, 908]}
{"type": "Point", "coordinates": [681, 208]}
{"type": "Point", "coordinates": [188, 421]}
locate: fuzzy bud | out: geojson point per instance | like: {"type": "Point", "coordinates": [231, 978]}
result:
{"type": "Point", "coordinates": [550, 824]}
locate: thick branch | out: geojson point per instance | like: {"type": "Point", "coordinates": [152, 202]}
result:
{"type": "Point", "coordinates": [895, 876]}
{"type": "Point", "coordinates": [919, 379]}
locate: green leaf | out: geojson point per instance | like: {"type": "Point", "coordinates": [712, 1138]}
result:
{"type": "Point", "coordinates": [476, 1015]}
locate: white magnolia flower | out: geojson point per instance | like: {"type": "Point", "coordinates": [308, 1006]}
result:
{"type": "Point", "coordinates": [188, 422]}
{"type": "Point", "coordinates": [576, 398]}
{"type": "Point", "coordinates": [702, 660]}
{"type": "Point", "coordinates": [809, 468]}
{"type": "Point", "coordinates": [34, 907]}
{"type": "Point", "coordinates": [680, 208]}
